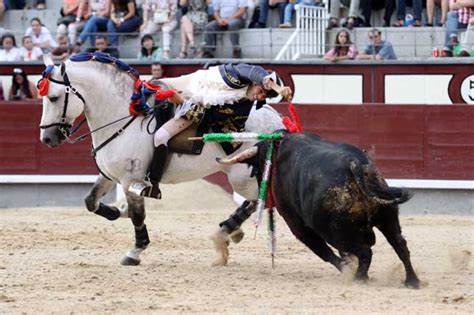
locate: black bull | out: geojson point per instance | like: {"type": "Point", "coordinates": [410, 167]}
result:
{"type": "Point", "coordinates": [330, 193]}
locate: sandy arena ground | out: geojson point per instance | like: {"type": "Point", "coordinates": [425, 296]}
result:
{"type": "Point", "coordinates": [66, 260]}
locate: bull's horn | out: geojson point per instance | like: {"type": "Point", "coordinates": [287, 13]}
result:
{"type": "Point", "coordinates": [247, 154]}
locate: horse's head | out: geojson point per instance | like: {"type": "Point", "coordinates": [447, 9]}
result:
{"type": "Point", "coordinates": [62, 104]}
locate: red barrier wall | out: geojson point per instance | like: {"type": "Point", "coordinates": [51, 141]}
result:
{"type": "Point", "coordinates": [409, 141]}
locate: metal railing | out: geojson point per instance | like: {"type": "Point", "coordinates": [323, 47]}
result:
{"type": "Point", "coordinates": [309, 37]}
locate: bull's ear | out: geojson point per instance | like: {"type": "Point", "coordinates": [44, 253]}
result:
{"type": "Point", "coordinates": [48, 60]}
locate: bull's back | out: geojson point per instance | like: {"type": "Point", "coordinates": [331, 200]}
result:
{"type": "Point", "coordinates": [313, 177]}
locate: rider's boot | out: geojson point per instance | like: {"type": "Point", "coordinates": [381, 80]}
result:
{"type": "Point", "coordinates": [155, 173]}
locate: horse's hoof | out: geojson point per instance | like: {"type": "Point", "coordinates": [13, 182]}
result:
{"type": "Point", "coordinates": [237, 236]}
{"type": "Point", "coordinates": [412, 284]}
{"type": "Point", "coordinates": [128, 261]}
{"type": "Point", "coordinates": [220, 262]}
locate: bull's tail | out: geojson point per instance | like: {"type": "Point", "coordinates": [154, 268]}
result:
{"type": "Point", "coordinates": [375, 188]}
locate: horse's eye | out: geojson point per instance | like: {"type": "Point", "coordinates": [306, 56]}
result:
{"type": "Point", "coordinates": [54, 99]}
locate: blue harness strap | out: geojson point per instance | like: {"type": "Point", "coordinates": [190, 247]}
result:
{"type": "Point", "coordinates": [105, 58]}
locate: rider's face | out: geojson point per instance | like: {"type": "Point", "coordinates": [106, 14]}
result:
{"type": "Point", "coordinates": [256, 93]}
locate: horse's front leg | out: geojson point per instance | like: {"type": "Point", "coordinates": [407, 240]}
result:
{"type": "Point", "coordinates": [101, 187]}
{"type": "Point", "coordinates": [136, 211]}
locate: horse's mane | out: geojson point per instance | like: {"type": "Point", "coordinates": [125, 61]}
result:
{"type": "Point", "coordinates": [118, 73]}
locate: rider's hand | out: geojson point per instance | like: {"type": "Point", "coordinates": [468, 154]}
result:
{"type": "Point", "coordinates": [286, 92]}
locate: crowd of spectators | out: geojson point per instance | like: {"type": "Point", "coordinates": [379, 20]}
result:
{"type": "Point", "coordinates": [101, 22]}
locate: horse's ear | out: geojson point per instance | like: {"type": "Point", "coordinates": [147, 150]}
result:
{"type": "Point", "coordinates": [48, 60]}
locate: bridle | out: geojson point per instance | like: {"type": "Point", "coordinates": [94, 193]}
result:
{"type": "Point", "coordinates": [62, 125]}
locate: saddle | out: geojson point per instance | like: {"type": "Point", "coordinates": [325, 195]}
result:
{"type": "Point", "coordinates": [165, 111]}
{"type": "Point", "coordinates": [220, 119]}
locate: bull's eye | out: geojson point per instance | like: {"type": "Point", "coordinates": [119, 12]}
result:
{"type": "Point", "coordinates": [54, 99]}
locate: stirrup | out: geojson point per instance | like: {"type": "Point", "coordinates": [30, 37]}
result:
{"type": "Point", "coordinates": [145, 190]}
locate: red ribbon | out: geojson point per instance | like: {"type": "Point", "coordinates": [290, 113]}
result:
{"type": "Point", "coordinates": [293, 124]}
{"type": "Point", "coordinates": [43, 87]}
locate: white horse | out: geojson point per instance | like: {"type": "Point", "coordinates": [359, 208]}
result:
{"type": "Point", "coordinates": [102, 92]}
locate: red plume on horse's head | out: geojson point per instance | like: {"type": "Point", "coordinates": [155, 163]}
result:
{"type": "Point", "coordinates": [43, 83]}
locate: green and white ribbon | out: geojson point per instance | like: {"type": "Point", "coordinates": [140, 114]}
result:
{"type": "Point", "coordinates": [241, 136]}
{"type": "Point", "coordinates": [262, 194]}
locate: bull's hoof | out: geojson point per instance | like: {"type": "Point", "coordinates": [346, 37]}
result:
{"type": "Point", "coordinates": [361, 278]}
{"type": "Point", "coordinates": [128, 261]}
{"type": "Point", "coordinates": [237, 236]}
{"type": "Point", "coordinates": [412, 284]}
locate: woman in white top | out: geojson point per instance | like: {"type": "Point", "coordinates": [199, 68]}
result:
{"type": "Point", "coordinates": [9, 52]}
{"type": "Point", "coordinates": [160, 14]}
{"type": "Point", "coordinates": [41, 36]}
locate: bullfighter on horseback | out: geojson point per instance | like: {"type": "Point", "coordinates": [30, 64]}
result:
{"type": "Point", "coordinates": [223, 96]}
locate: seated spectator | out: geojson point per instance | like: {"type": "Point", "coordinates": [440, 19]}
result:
{"type": "Point", "coordinates": [156, 71]}
{"type": "Point", "coordinates": [378, 49]}
{"type": "Point", "coordinates": [367, 6]}
{"type": "Point", "coordinates": [290, 7]}
{"type": "Point", "coordinates": [3, 7]}
{"type": "Point", "coordinates": [401, 13]}
{"type": "Point", "coordinates": [430, 10]}
{"type": "Point", "coordinates": [102, 45]}
{"type": "Point", "coordinates": [229, 16]}
{"type": "Point", "coordinates": [149, 51]}
{"type": "Point", "coordinates": [72, 19]}
{"type": "Point", "coordinates": [195, 19]}
{"type": "Point", "coordinates": [160, 15]}
{"type": "Point", "coordinates": [97, 17]}
{"type": "Point", "coordinates": [12, 5]}
{"type": "Point", "coordinates": [63, 51]}
{"type": "Point", "coordinates": [28, 52]}
{"type": "Point", "coordinates": [343, 49]}
{"type": "Point", "coordinates": [9, 52]}
{"type": "Point", "coordinates": [22, 88]}
{"type": "Point", "coordinates": [41, 36]}
{"type": "Point", "coordinates": [123, 19]}
{"type": "Point", "coordinates": [335, 14]}
{"type": "Point", "coordinates": [461, 11]}
{"type": "Point", "coordinates": [265, 6]}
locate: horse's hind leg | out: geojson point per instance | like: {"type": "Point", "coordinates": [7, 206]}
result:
{"type": "Point", "coordinates": [136, 210]}
{"type": "Point", "coordinates": [239, 178]}
{"type": "Point", "coordinates": [231, 228]}
{"type": "Point", "coordinates": [101, 187]}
